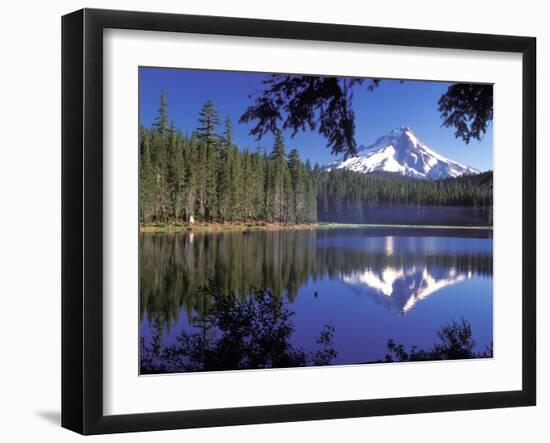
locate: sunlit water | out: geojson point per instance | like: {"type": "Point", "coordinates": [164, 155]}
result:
{"type": "Point", "coordinates": [369, 284]}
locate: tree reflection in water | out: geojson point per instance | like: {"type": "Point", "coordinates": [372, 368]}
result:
{"type": "Point", "coordinates": [249, 333]}
{"type": "Point", "coordinates": [213, 282]}
{"type": "Point", "coordinates": [173, 268]}
{"type": "Point", "coordinates": [255, 332]}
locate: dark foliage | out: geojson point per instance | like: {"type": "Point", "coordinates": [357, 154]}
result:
{"type": "Point", "coordinates": [468, 108]}
{"type": "Point", "coordinates": [455, 343]}
{"type": "Point", "coordinates": [238, 333]}
{"type": "Point", "coordinates": [302, 102]}
{"type": "Point", "coordinates": [254, 332]}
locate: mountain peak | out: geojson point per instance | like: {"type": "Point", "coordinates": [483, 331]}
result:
{"type": "Point", "coordinates": [401, 152]}
{"type": "Point", "coordinates": [401, 130]}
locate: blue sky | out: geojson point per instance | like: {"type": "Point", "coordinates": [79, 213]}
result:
{"type": "Point", "coordinates": [393, 104]}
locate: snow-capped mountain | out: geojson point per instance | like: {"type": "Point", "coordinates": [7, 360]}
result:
{"type": "Point", "coordinates": [402, 152]}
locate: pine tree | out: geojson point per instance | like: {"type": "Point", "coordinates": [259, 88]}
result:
{"type": "Point", "coordinates": [175, 174]}
{"type": "Point", "coordinates": [298, 176]}
{"type": "Point", "coordinates": [276, 179]}
{"type": "Point", "coordinates": [247, 180]}
{"type": "Point", "coordinates": [146, 179]}
{"type": "Point", "coordinates": [209, 120]}
{"type": "Point", "coordinates": [224, 173]}
{"type": "Point", "coordinates": [201, 177]}
{"type": "Point", "coordinates": [190, 177]}
{"type": "Point", "coordinates": [161, 121]}
{"type": "Point", "coordinates": [287, 203]}
{"type": "Point", "coordinates": [236, 189]}
{"type": "Point", "coordinates": [311, 200]}
{"type": "Point", "coordinates": [258, 185]}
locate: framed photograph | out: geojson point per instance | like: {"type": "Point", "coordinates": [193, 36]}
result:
{"type": "Point", "coordinates": [269, 221]}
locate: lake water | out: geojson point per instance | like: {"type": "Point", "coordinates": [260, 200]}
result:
{"type": "Point", "coordinates": [369, 285]}
{"type": "Point", "coordinates": [401, 214]}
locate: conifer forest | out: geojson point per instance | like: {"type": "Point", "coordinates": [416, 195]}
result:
{"type": "Point", "coordinates": [204, 176]}
{"type": "Point", "coordinates": [291, 220]}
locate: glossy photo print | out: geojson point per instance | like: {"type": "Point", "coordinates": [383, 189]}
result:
{"type": "Point", "coordinates": [290, 220]}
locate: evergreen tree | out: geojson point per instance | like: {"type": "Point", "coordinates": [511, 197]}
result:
{"type": "Point", "coordinates": [236, 189]}
{"type": "Point", "coordinates": [175, 174]}
{"type": "Point", "coordinates": [160, 136]}
{"type": "Point", "coordinates": [258, 185]}
{"type": "Point", "coordinates": [277, 178]}
{"type": "Point", "coordinates": [190, 176]}
{"type": "Point", "coordinates": [299, 182]}
{"type": "Point", "coordinates": [247, 186]}
{"type": "Point", "coordinates": [161, 121]}
{"type": "Point", "coordinates": [287, 203]}
{"type": "Point", "coordinates": [209, 120]}
{"type": "Point", "coordinates": [202, 176]}
{"type": "Point", "coordinates": [225, 176]}
{"type": "Point", "coordinates": [146, 179]}
{"type": "Point", "coordinates": [311, 201]}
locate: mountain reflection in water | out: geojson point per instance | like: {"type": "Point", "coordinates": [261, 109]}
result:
{"type": "Point", "coordinates": [402, 289]}
{"type": "Point", "coordinates": [366, 283]}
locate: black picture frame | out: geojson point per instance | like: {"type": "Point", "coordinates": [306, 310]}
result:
{"type": "Point", "coordinates": [82, 218]}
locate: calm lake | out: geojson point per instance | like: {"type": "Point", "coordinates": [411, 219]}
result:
{"type": "Point", "coordinates": [401, 214]}
{"type": "Point", "coordinates": [370, 285]}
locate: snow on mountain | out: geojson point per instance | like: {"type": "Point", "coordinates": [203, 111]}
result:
{"type": "Point", "coordinates": [402, 152]}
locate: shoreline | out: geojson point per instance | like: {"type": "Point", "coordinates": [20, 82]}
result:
{"type": "Point", "coordinates": [243, 227]}
{"type": "Point", "coordinates": [225, 227]}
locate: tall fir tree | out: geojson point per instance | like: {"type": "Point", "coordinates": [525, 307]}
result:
{"type": "Point", "coordinates": [161, 121]}
{"type": "Point", "coordinates": [175, 175]}
{"type": "Point", "coordinates": [276, 180]}
{"type": "Point", "coordinates": [258, 185]}
{"type": "Point", "coordinates": [206, 132]}
{"type": "Point", "coordinates": [298, 180]}
{"type": "Point", "coordinates": [146, 178]}
{"type": "Point", "coordinates": [224, 171]}
{"type": "Point", "coordinates": [190, 174]}
{"type": "Point", "coordinates": [160, 136]}
{"type": "Point", "coordinates": [236, 189]}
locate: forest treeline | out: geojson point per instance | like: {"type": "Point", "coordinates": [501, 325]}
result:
{"type": "Point", "coordinates": [355, 194]}
{"type": "Point", "coordinates": [205, 175]}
